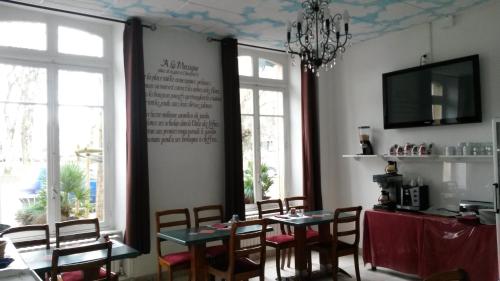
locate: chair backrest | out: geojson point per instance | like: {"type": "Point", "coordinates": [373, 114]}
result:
{"type": "Point", "coordinates": [171, 218]}
{"type": "Point", "coordinates": [90, 267]}
{"type": "Point", "coordinates": [254, 243]}
{"type": "Point", "coordinates": [271, 207]}
{"type": "Point", "coordinates": [346, 216]}
{"type": "Point", "coordinates": [297, 202]}
{"type": "Point", "coordinates": [454, 275]}
{"type": "Point", "coordinates": [61, 237]}
{"type": "Point", "coordinates": [214, 214]}
{"type": "Point", "coordinates": [32, 242]}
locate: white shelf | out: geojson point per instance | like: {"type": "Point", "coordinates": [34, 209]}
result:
{"type": "Point", "coordinates": [443, 158]}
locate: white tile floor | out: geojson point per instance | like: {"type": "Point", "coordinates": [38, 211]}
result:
{"type": "Point", "coordinates": [346, 263]}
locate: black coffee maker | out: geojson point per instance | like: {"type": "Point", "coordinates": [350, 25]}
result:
{"type": "Point", "coordinates": [390, 194]}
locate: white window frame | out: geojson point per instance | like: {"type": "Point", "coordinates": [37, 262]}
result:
{"type": "Point", "coordinates": [255, 84]}
{"type": "Point", "coordinates": [53, 62]}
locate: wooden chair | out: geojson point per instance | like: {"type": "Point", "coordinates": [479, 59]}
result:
{"type": "Point", "coordinates": [61, 237]}
{"type": "Point", "coordinates": [214, 214]}
{"type": "Point", "coordinates": [237, 265]}
{"type": "Point", "coordinates": [89, 270]}
{"type": "Point", "coordinates": [337, 248]}
{"type": "Point", "coordinates": [173, 261]}
{"type": "Point", "coordinates": [454, 275]}
{"type": "Point", "coordinates": [299, 203]}
{"type": "Point", "coordinates": [281, 241]}
{"type": "Point", "coordinates": [27, 229]}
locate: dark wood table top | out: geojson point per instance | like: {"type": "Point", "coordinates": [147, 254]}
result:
{"type": "Point", "coordinates": [40, 260]}
{"type": "Point", "coordinates": [204, 234]}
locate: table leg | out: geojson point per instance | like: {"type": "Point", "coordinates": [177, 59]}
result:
{"type": "Point", "coordinates": [324, 236]}
{"type": "Point", "coordinates": [300, 252]}
{"type": "Point", "coordinates": [198, 263]}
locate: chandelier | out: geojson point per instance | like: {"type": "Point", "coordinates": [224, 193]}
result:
{"type": "Point", "coordinates": [317, 37]}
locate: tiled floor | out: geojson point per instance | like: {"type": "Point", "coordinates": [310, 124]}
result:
{"type": "Point", "coordinates": [346, 263]}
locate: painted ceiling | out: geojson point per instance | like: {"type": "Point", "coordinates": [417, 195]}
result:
{"type": "Point", "coordinates": [263, 22]}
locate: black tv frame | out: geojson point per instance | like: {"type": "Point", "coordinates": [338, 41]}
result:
{"type": "Point", "coordinates": [450, 121]}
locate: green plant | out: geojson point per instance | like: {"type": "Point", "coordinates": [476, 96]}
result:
{"type": "Point", "coordinates": [73, 193]}
{"type": "Point", "coordinates": [266, 180]}
{"type": "Point", "coordinates": [248, 183]}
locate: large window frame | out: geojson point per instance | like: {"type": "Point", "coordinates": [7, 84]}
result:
{"type": "Point", "coordinates": [255, 83]}
{"type": "Point", "coordinates": [53, 61]}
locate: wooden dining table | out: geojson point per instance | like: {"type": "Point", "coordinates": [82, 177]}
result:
{"type": "Point", "coordinates": [40, 260]}
{"type": "Point", "coordinates": [196, 239]}
{"type": "Point", "coordinates": [300, 223]}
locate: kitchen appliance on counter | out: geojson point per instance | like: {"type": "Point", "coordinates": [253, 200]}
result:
{"type": "Point", "coordinates": [414, 198]}
{"type": "Point", "coordinates": [390, 194]}
{"type": "Point", "coordinates": [474, 206]}
{"type": "Point", "coordinates": [364, 140]}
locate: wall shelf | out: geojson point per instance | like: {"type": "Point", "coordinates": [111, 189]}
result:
{"type": "Point", "coordinates": [435, 157]}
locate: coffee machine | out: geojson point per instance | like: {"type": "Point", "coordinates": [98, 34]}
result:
{"type": "Point", "coordinates": [390, 194]}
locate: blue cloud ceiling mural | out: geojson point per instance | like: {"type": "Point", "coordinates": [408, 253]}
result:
{"type": "Point", "coordinates": [263, 22]}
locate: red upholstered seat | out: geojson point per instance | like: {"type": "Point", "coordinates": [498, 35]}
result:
{"type": "Point", "coordinates": [311, 233]}
{"type": "Point", "coordinates": [241, 265]}
{"type": "Point", "coordinates": [215, 251]}
{"type": "Point", "coordinates": [280, 239]}
{"type": "Point", "coordinates": [177, 258]}
{"type": "Point", "coordinates": [78, 275]}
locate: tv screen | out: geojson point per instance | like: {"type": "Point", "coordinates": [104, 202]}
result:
{"type": "Point", "coordinates": [441, 93]}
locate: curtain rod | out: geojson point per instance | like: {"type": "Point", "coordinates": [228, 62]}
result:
{"type": "Point", "coordinates": [211, 39]}
{"type": "Point", "coordinates": [152, 27]}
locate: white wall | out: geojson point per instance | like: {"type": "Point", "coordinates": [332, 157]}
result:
{"type": "Point", "coordinates": [351, 96]}
{"type": "Point", "coordinates": [182, 175]}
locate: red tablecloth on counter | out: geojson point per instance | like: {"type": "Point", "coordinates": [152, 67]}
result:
{"type": "Point", "coordinates": [423, 244]}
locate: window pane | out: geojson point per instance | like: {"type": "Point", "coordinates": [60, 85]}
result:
{"type": "Point", "coordinates": [245, 66]}
{"type": "Point", "coordinates": [23, 84]}
{"type": "Point", "coordinates": [270, 69]}
{"type": "Point", "coordinates": [80, 88]}
{"type": "Point", "coordinates": [272, 151]}
{"type": "Point", "coordinates": [23, 164]}
{"type": "Point", "coordinates": [246, 101]}
{"type": "Point", "coordinates": [78, 42]}
{"type": "Point", "coordinates": [19, 34]}
{"type": "Point", "coordinates": [271, 102]}
{"type": "Point", "coordinates": [81, 162]}
{"type": "Point", "coordinates": [248, 160]}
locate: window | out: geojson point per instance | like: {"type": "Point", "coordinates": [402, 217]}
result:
{"type": "Point", "coordinates": [263, 115]}
{"type": "Point", "coordinates": [56, 121]}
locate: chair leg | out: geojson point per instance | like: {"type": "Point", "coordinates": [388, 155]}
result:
{"type": "Point", "coordinates": [356, 266]}
{"type": "Point", "coordinates": [283, 258]}
{"type": "Point", "coordinates": [159, 272]}
{"type": "Point", "coordinates": [278, 273]}
{"type": "Point", "coordinates": [170, 275]}
{"type": "Point", "coordinates": [335, 267]}
{"type": "Point", "coordinates": [309, 264]}
{"type": "Point", "coordinates": [290, 250]}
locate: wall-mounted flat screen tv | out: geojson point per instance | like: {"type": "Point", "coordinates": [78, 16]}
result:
{"type": "Point", "coordinates": [442, 93]}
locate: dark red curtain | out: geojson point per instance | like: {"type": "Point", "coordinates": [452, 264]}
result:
{"type": "Point", "coordinates": [310, 141]}
{"type": "Point", "coordinates": [137, 221]}
{"type": "Point", "coordinates": [234, 193]}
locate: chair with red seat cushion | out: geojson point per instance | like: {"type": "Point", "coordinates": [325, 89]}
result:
{"type": "Point", "coordinates": [210, 214]}
{"type": "Point", "coordinates": [236, 265]}
{"type": "Point", "coordinates": [81, 271]}
{"type": "Point", "coordinates": [173, 261]}
{"type": "Point", "coordinates": [280, 242]}
{"type": "Point", "coordinates": [336, 248]}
